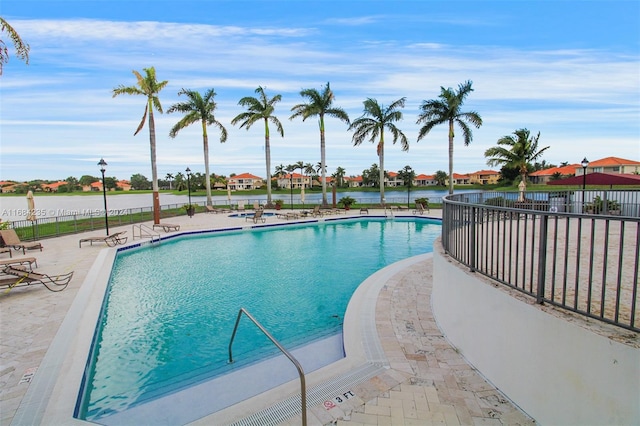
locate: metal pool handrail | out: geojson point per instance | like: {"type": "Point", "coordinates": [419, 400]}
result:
{"type": "Point", "coordinates": [303, 391]}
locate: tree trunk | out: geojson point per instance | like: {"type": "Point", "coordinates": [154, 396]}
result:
{"type": "Point", "coordinates": [207, 176]}
{"type": "Point", "coordinates": [267, 154]}
{"type": "Point", "coordinates": [450, 157]}
{"type": "Point", "coordinates": [381, 155]}
{"type": "Point", "coordinates": [323, 163]}
{"type": "Point", "coordinates": [154, 170]}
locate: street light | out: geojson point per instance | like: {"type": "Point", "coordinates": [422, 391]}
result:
{"type": "Point", "coordinates": [188, 170]}
{"type": "Point", "coordinates": [291, 187]}
{"type": "Point", "coordinates": [585, 164]}
{"type": "Point", "coordinates": [102, 165]}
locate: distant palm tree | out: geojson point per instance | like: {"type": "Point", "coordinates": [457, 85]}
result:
{"type": "Point", "coordinates": [521, 152]}
{"type": "Point", "coordinates": [199, 109]}
{"type": "Point", "coordinates": [339, 175]}
{"type": "Point", "coordinates": [150, 87]}
{"type": "Point", "coordinates": [169, 177]}
{"type": "Point", "coordinates": [441, 177]}
{"type": "Point", "coordinates": [447, 109]}
{"type": "Point", "coordinates": [372, 124]}
{"type": "Point", "coordinates": [21, 48]}
{"type": "Point", "coordinates": [319, 104]}
{"type": "Point", "coordinates": [310, 170]}
{"type": "Point", "coordinates": [261, 109]}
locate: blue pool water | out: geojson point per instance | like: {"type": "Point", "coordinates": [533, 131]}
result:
{"type": "Point", "coordinates": [170, 309]}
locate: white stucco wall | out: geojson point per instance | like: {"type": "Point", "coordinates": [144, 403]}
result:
{"type": "Point", "coordinates": [557, 371]}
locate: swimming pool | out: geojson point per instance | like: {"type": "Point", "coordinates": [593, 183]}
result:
{"type": "Point", "coordinates": [152, 342]}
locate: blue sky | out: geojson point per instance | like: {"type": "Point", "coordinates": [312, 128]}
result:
{"type": "Point", "coordinates": [567, 69]}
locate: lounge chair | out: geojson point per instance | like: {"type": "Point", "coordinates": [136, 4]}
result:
{"type": "Point", "coordinates": [241, 206]}
{"type": "Point", "coordinates": [257, 206]}
{"type": "Point", "coordinates": [257, 216]}
{"type": "Point", "coordinates": [288, 215]}
{"type": "Point", "coordinates": [166, 227]}
{"type": "Point", "coordinates": [420, 209]}
{"type": "Point", "coordinates": [19, 276]}
{"type": "Point", "coordinates": [25, 261]}
{"type": "Point", "coordinates": [216, 210]}
{"type": "Point", "coordinates": [364, 210]}
{"type": "Point", "coordinates": [6, 250]}
{"type": "Point", "coordinates": [11, 239]}
{"type": "Point", "coordinates": [317, 212]}
{"type": "Point", "coordinates": [110, 240]}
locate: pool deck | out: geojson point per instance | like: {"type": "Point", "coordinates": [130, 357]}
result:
{"type": "Point", "coordinates": [427, 381]}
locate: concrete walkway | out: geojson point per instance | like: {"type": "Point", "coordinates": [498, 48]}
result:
{"type": "Point", "coordinates": [428, 382]}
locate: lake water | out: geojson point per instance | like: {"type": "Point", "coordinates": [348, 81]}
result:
{"type": "Point", "coordinates": [15, 208]}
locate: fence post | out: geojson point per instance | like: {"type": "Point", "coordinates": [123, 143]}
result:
{"type": "Point", "coordinates": [472, 240]}
{"type": "Point", "coordinates": [542, 258]}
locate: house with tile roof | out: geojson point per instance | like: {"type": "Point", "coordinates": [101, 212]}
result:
{"type": "Point", "coordinates": [546, 175]}
{"type": "Point", "coordinates": [425, 180]}
{"type": "Point", "coordinates": [611, 165]}
{"type": "Point", "coordinates": [460, 179]}
{"type": "Point", "coordinates": [52, 187]}
{"type": "Point", "coordinates": [245, 181]}
{"type": "Point", "coordinates": [294, 179]}
{"type": "Point", "coordinates": [484, 177]}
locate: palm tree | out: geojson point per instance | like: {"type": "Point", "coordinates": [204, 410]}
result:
{"type": "Point", "coordinates": [447, 109]}
{"type": "Point", "coordinates": [372, 124]}
{"type": "Point", "coordinates": [522, 151]}
{"type": "Point", "coordinates": [21, 48]}
{"type": "Point", "coordinates": [339, 175]}
{"type": "Point", "coordinates": [150, 87]}
{"type": "Point", "coordinates": [200, 109]}
{"type": "Point", "coordinates": [319, 104]}
{"type": "Point", "coordinates": [257, 109]}
{"type": "Point", "coordinates": [169, 177]}
{"type": "Point", "coordinates": [310, 170]}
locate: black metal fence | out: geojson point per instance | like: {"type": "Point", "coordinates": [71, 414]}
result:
{"type": "Point", "coordinates": [585, 262]}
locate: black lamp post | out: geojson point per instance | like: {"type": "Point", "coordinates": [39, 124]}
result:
{"type": "Point", "coordinates": [102, 165]}
{"type": "Point", "coordinates": [188, 170]}
{"type": "Point", "coordinates": [585, 164]}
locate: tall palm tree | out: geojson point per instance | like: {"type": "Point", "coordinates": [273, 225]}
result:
{"type": "Point", "coordinates": [150, 87]}
{"type": "Point", "coordinates": [372, 125]}
{"type": "Point", "coordinates": [319, 104]}
{"type": "Point", "coordinates": [447, 109]}
{"type": "Point", "coordinates": [517, 151]}
{"type": "Point", "coordinates": [169, 177]}
{"type": "Point", "coordinates": [21, 48]}
{"type": "Point", "coordinates": [339, 175]}
{"type": "Point", "coordinates": [258, 109]}
{"type": "Point", "coordinates": [199, 109]}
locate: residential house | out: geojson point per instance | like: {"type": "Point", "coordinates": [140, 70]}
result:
{"type": "Point", "coordinates": [294, 179]}
{"type": "Point", "coordinates": [459, 179]}
{"type": "Point", "coordinates": [245, 181]}
{"type": "Point", "coordinates": [546, 175]}
{"type": "Point", "coordinates": [425, 180]}
{"type": "Point", "coordinates": [123, 185]}
{"type": "Point", "coordinates": [354, 181]}
{"type": "Point", "coordinates": [484, 177]}
{"type": "Point", "coordinates": [611, 165]}
{"type": "Point", "coordinates": [52, 187]}
{"type": "Point", "coordinates": [392, 180]}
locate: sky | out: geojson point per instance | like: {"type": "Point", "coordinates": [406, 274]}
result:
{"type": "Point", "coordinates": [567, 69]}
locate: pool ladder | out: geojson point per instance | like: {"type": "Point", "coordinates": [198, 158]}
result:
{"type": "Point", "coordinates": [303, 390]}
{"type": "Point", "coordinates": [145, 232]}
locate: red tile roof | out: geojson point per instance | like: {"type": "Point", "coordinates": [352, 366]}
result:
{"type": "Point", "coordinates": [613, 161]}
{"type": "Point", "coordinates": [246, 176]}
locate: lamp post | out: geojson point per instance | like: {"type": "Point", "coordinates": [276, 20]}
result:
{"type": "Point", "coordinates": [291, 187]}
{"type": "Point", "coordinates": [584, 164]}
{"type": "Point", "coordinates": [102, 165]}
{"type": "Point", "coordinates": [188, 170]}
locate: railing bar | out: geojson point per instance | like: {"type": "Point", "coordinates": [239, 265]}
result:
{"type": "Point", "coordinates": [605, 265]}
{"type": "Point", "coordinates": [619, 277]}
{"type": "Point", "coordinates": [577, 281]}
{"type": "Point", "coordinates": [303, 391]}
{"type": "Point", "coordinates": [635, 278]}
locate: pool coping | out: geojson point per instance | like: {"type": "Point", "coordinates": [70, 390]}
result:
{"type": "Point", "coordinates": [52, 395]}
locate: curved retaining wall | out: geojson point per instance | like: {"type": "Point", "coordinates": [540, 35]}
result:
{"type": "Point", "coordinates": [558, 371]}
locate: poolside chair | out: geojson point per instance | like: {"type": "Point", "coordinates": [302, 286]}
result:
{"type": "Point", "coordinates": [19, 276]}
{"type": "Point", "coordinates": [110, 240]}
{"type": "Point", "coordinates": [256, 205]}
{"type": "Point", "coordinates": [257, 216]}
{"type": "Point", "coordinates": [241, 206]}
{"type": "Point", "coordinates": [11, 239]}
{"type": "Point", "coordinates": [317, 212]}
{"type": "Point", "coordinates": [166, 227]}
{"type": "Point", "coordinates": [419, 209]}
{"type": "Point", "coordinates": [6, 250]}
{"type": "Point", "coordinates": [25, 261]}
{"type": "Point", "coordinates": [216, 210]}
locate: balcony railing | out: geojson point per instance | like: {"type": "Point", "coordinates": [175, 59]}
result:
{"type": "Point", "coordinates": [551, 247]}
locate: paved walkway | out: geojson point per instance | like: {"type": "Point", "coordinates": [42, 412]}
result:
{"type": "Point", "coordinates": [428, 382]}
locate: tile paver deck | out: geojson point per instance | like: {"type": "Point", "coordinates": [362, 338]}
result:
{"type": "Point", "coordinates": [428, 382]}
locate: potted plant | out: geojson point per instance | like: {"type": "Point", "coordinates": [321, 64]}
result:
{"type": "Point", "coordinates": [346, 202]}
{"type": "Point", "coordinates": [278, 204]}
{"type": "Point", "coordinates": [190, 209]}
